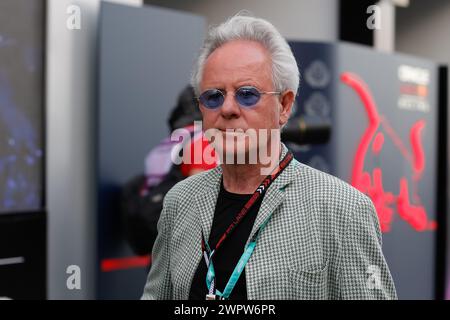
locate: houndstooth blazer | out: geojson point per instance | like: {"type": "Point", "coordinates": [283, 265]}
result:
{"type": "Point", "coordinates": [322, 242]}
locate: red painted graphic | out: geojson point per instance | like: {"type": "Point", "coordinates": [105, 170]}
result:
{"type": "Point", "coordinates": [371, 183]}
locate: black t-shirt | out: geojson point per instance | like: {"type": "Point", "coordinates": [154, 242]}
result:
{"type": "Point", "coordinates": [225, 259]}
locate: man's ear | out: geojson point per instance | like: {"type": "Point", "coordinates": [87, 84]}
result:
{"type": "Point", "coordinates": [287, 101]}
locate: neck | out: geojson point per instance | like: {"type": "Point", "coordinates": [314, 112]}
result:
{"type": "Point", "coordinates": [245, 178]}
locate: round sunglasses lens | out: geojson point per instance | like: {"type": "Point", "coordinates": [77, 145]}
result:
{"type": "Point", "coordinates": [211, 99]}
{"type": "Point", "coordinates": [248, 96]}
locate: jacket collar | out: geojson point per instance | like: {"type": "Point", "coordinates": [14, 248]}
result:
{"type": "Point", "coordinates": [205, 199]}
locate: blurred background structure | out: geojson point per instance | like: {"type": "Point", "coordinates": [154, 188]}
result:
{"type": "Point", "coordinates": [87, 88]}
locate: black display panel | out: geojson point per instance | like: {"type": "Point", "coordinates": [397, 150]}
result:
{"type": "Point", "coordinates": [22, 32]}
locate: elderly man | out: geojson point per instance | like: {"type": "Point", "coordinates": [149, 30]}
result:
{"type": "Point", "coordinates": [237, 232]}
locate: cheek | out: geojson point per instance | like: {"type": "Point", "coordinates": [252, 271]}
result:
{"type": "Point", "coordinates": [208, 119]}
{"type": "Point", "coordinates": [272, 116]}
{"type": "Point", "coordinates": [262, 120]}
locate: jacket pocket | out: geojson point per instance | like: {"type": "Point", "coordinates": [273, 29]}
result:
{"type": "Point", "coordinates": [309, 284]}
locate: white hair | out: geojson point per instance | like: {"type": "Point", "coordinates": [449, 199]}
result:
{"type": "Point", "coordinates": [285, 73]}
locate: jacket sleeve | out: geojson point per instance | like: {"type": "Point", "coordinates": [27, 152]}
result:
{"type": "Point", "coordinates": [363, 270]}
{"type": "Point", "coordinates": [158, 285]}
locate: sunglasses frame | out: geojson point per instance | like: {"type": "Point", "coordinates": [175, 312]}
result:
{"type": "Point", "coordinates": [224, 93]}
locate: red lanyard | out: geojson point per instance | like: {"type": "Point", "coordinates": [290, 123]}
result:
{"type": "Point", "coordinates": [259, 192]}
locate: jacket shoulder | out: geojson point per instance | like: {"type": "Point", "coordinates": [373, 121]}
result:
{"type": "Point", "coordinates": [327, 190]}
{"type": "Point", "coordinates": [192, 185]}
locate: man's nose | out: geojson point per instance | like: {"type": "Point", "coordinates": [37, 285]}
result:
{"type": "Point", "coordinates": [230, 107]}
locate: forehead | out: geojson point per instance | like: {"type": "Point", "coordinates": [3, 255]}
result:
{"type": "Point", "coordinates": [238, 61]}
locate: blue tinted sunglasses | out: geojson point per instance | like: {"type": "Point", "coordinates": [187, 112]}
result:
{"type": "Point", "coordinates": [246, 96]}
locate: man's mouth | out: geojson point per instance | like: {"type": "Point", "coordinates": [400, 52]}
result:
{"type": "Point", "coordinates": [233, 130]}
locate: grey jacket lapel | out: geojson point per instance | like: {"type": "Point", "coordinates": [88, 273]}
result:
{"type": "Point", "coordinates": [275, 194]}
{"type": "Point", "coordinates": [205, 200]}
